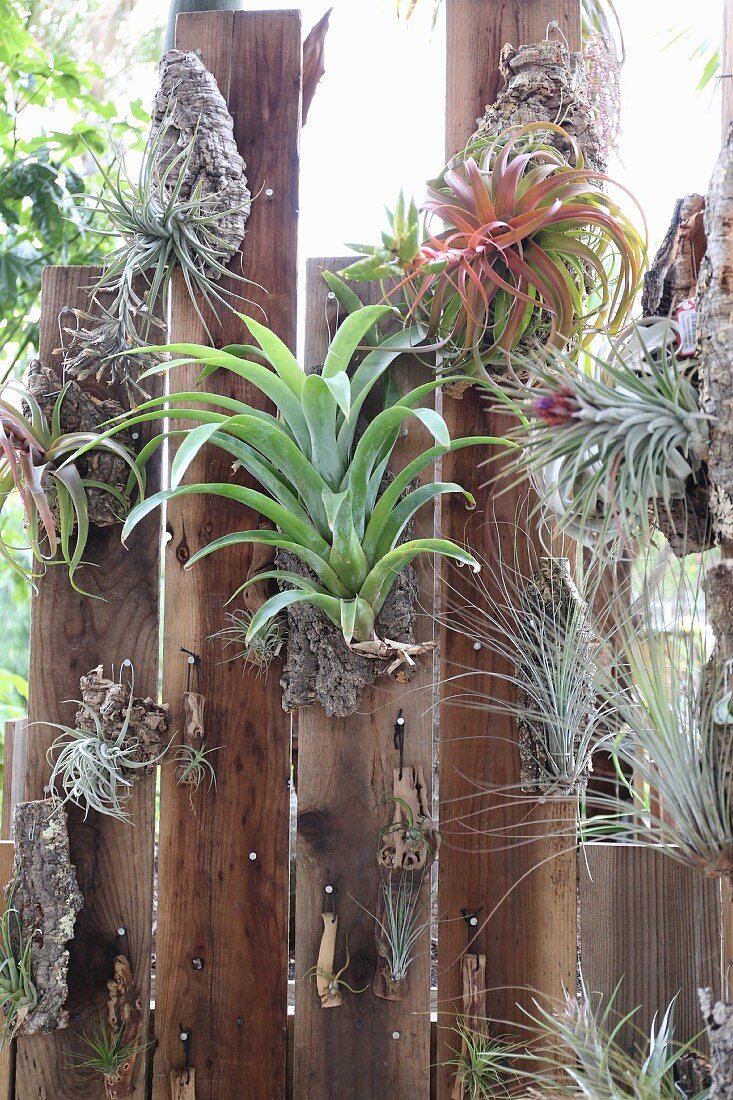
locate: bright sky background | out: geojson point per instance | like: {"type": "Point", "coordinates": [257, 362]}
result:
{"type": "Point", "coordinates": [376, 124]}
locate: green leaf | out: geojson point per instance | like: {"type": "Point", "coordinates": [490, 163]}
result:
{"type": "Point", "coordinates": [349, 337]}
{"type": "Point", "coordinates": [378, 584]}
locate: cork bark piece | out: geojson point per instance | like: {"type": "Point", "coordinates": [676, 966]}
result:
{"type": "Point", "coordinates": [672, 276]}
{"type": "Point", "coordinates": [149, 721]}
{"type": "Point", "coordinates": [188, 104]}
{"type": "Point", "coordinates": [544, 81]}
{"type": "Point", "coordinates": [718, 1017]}
{"type": "Point", "coordinates": [47, 896]}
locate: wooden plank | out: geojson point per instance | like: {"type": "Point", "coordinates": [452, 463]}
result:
{"type": "Point", "coordinates": [654, 923]}
{"type": "Point", "coordinates": [475, 872]}
{"type": "Point", "coordinates": [726, 72]}
{"type": "Point", "coordinates": [71, 634]}
{"type": "Point", "coordinates": [369, 1047]}
{"type": "Point", "coordinates": [14, 752]}
{"type": "Point", "coordinates": [7, 1054]}
{"type": "Point", "coordinates": [223, 882]}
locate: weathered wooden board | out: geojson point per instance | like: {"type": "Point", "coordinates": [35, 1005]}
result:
{"type": "Point", "coordinates": [71, 634]}
{"type": "Point", "coordinates": [523, 949]}
{"type": "Point", "coordinates": [654, 923]}
{"type": "Point", "coordinates": [369, 1047]}
{"type": "Point", "coordinates": [16, 737]}
{"type": "Point", "coordinates": [223, 911]}
{"type": "Point", "coordinates": [7, 1054]}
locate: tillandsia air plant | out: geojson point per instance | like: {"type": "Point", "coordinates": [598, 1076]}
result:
{"type": "Point", "coordinates": [193, 766]}
{"type": "Point", "coordinates": [259, 652]}
{"type": "Point", "coordinates": [485, 1066]}
{"type": "Point", "coordinates": [611, 443]}
{"type": "Point", "coordinates": [333, 980]}
{"type": "Point", "coordinates": [673, 728]}
{"type": "Point", "coordinates": [540, 625]}
{"type": "Point", "coordinates": [95, 762]}
{"type": "Point", "coordinates": [401, 920]}
{"type": "Point", "coordinates": [532, 253]}
{"type": "Point", "coordinates": [106, 1051]}
{"type": "Point", "coordinates": [323, 483]}
{"type": "Point", "coordinates": [18, 995]}
{"type": "Point", "coordinates": [40, 465]}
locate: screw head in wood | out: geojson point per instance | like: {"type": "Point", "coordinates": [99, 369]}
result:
{"type": "Point", "coordinates": [240, 1021]}
{"type": "Point", "coordinates": [121, 931]}
{"type": "Point", "coordinates": [183, 1036]}
{"type": "Point", "coordinates": [197, 962]}
{"type": "Point", "coordinates": [395, 1034]}
{"type": "Point", "coordinates": [253, 856]}
{"type": "Point", "coordinates": [269, 192]}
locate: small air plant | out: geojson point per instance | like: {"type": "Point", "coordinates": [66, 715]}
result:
{"type": "Point", "coordinates": [612, 443]}
{"type": "Point", "coordinates": [261, 650]}
{"type": "Point", "coordinates": [193, 766]}
{"type": "Point", "coordinates": [322, 480]}
{"type": "Point", "coordinates": [409, 841]}
{"type": "Point", "coordinates": [484, 1066]}
{"type": "Point", "coordinates": [40, 464]}
{"type": "Point", "coordinates": [333, 981]}
{"type": "Point", "coordinates": [107, 1053]}
{"type": "Point", "coordinates": [532, 251]}
{"type": "Point", "coordinates": [96, 769]}
{"type": "Point", "coordinates": [18, 994]}
{"type": "Point", "coordinates": [402, 918]}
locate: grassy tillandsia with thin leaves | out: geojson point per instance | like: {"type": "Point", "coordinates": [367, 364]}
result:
{"type": "Point", "coordinates": [193, 766]}
{"type": "Point", "coordinates": [334, 980]}
{"type": "Point", "coordinates": [94, 771]}
{"type": "Point", "coordinates": [162, 232]}
{"type": "Point", "coordinates": [39, 464]}
{"type": "Point", "coordinates": [17, 991]}
{"type": "Point", "coordinates": [323, 483]}
{"type": "Point", "coordinates": [259, 652]}
{"type": "Point", "coordinates": [532, 252]}
{"type": "Point", "coordinates": [106, 1051]}
{"type": "Point", "coordinates": [610, 443]}
{"type": "Point", "coordinates": [401, 920]}
{"type": "Point", "coordinates": [485, 1065]}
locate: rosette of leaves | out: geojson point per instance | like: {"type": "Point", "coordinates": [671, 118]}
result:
{"type": "Point", "coordinates": [613, 444]}
{"type": "Point", "coordinates": [532, 251]}
{"type": "Point", "coordinates": [320, 479]}
{"type": "Point", "coordinates": [42, 465]}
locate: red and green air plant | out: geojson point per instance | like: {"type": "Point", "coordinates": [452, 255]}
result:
{"type": "Point", "coordinates": [532, 251]}
{"type": "Point", "coordinates": [38, 463]}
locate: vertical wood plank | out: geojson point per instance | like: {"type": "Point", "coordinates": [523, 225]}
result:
{"type": "Point", "coordinates": [727, 68]}
{"type": "Point", "coordinates": [223, 870]}
{"type": "Point", "coordinates": [521, 947]}
{"type": "Point", "coordinates": [16, 733]}
{"type": "Point", "coordinates": [369, 1047]}
{"type": "Point", "coordinates": [7, 1055]}
{"type": "Point", "coordinates": [654, 923]}
{"type": "Point", "coordinates": [71, 634]}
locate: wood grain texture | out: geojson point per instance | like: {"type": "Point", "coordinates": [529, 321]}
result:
{"type": "Point", "coordinates": [522, 948]}
{"type": "Point", "coordinates": [14, 750]}
{"type": "Point", "coordinates": [71, 634]}
{"type": "Point", "coordinates": [369, 1047]}
{"type": "Point", "coordinates": [727, 69]}
{"type": "Point", "coordinates": [654, 923]}
{"type": "Point", "coordinates": [7, 1054]}
{"type": "Point", "coordinates": [218, 905]}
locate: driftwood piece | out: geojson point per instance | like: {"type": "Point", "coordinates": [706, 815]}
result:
{"type": "Point", "coordinates": [692, 1074]}
{"type": "Point", "coordinates": [48, 898]}
{"type": "Point", "coordinates": [718, 1017]}
{"type": "Point", "coordinates": [385, 985]}
{"type": "Point", "coordinates": [188, 103]}
{"type": "Point", "coordinates": [194, 732]}
{"type": "Point", "coordinates": [86, 409]}
{"type": "Point", "coordinates": [320, 668]}
{"type": "Point", "coordinates": [715, 322]}
{"type": "Point", "coordinates": [149, 721]}
{"type": "Point", "coordinates": [544, 81]}
{"type": "Point", "coordinates": [672, 276]}
{"type": "Point", "coordinates": [551, 597]}
{"type": "Point", "coordinates": [687, 523]}
{"type": "Point", "coordinates": [183, 1084]}
{"type": "Point", "coordinates": [473, 1017]}
{"type": "Point", "coordinates": [411, 842]}
{"type": "Point", "coordinates": [328, 990]}
{"type": "Point", "coordinates": [124, 1013]}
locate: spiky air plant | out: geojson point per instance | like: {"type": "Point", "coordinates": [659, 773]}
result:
{"type": "Point", "coordinates": [334, 980]}
{"type": "Point", "coordinates": [611, 444]}
{"type": "Point", "coordinates": [259, 652]}
{"type": "Point", "coordinates": [18, 995]}
{"type": "Point", "coordinates": [485, 1066]}
{"type": "Point", "coordinates": [193, 766]}
{"type": "Point", "coordinates": [40, 464]}
{"type": "Point", "coordinates": [105, 1051]}
{"type": "Point", "coordinates": [528, 612]}
{"type": "Point", "coordinates": [673, 727]}
{"type": "Point", "coordinates": [401, 920]}
{"type": "Point", "coordinates": [95, 767]}
{"type": "Point", "coordinates": [323, 483]}
{"type": "Point", "coordinates": [531, 253]}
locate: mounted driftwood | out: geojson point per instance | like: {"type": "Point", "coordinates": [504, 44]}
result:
{"type": "Point", "coordinates": [110, 700]}
{"type": "Point", "coordinates": [551, 597]}
{"type": "Point", "coordinates": [545, 81]}
{"type": "Point", "coordinates": [193, 719]}
{"type": "Point", "coordinates": [188, 105]}
{"type": "Point", "coordinates": [411, 842]}
{"type": "Point", "coordinates": [124, 1015]}
{"type": "Point", "coordinates": [88, 405]}
{"type": "Point", "coordinates": [673, 274]}
{"type": "Point", "coordinates": [715, 325]}
{"type": "Point", "coordinates": [47, 896]}
{"type": "Point", "coordinates": [718, 1018]}
{"type": "Point", "coordinates": [183, 1084]}
{"type": "Point", "coordinates": [474, 1017]}
{"type": "Point", "coordinates": [326, 976]}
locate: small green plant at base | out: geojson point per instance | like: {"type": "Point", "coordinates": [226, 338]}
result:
{"type": "Point", "coordinates": [484, 1065]}
{"type": "Point", "coordinates": [193, 766]}
{"type": "Point", "coordinates": [18, 995]}
{"type": "Point", "coordinates": [259, 652]}
{"type": "Point", "coordinates": [402, 919]}
{"type": "Point", "coordinates": [335, 983]}
{"type": "Point", "coordinates": [39, 464]}
{"type": "Point", "coordinates": [106, 1051]}
{"type": "Point", "coordinates": [322, 483]}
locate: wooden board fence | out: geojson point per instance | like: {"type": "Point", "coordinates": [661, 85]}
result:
{"type": "Point", "coordinates": [70, 635]}
{"type": "Point", "coordinates": [369, 1047]}
{"type": "Point", "coordinates": [223, 868]}
{"type": "Point", "coordinates": [7, 1055]}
